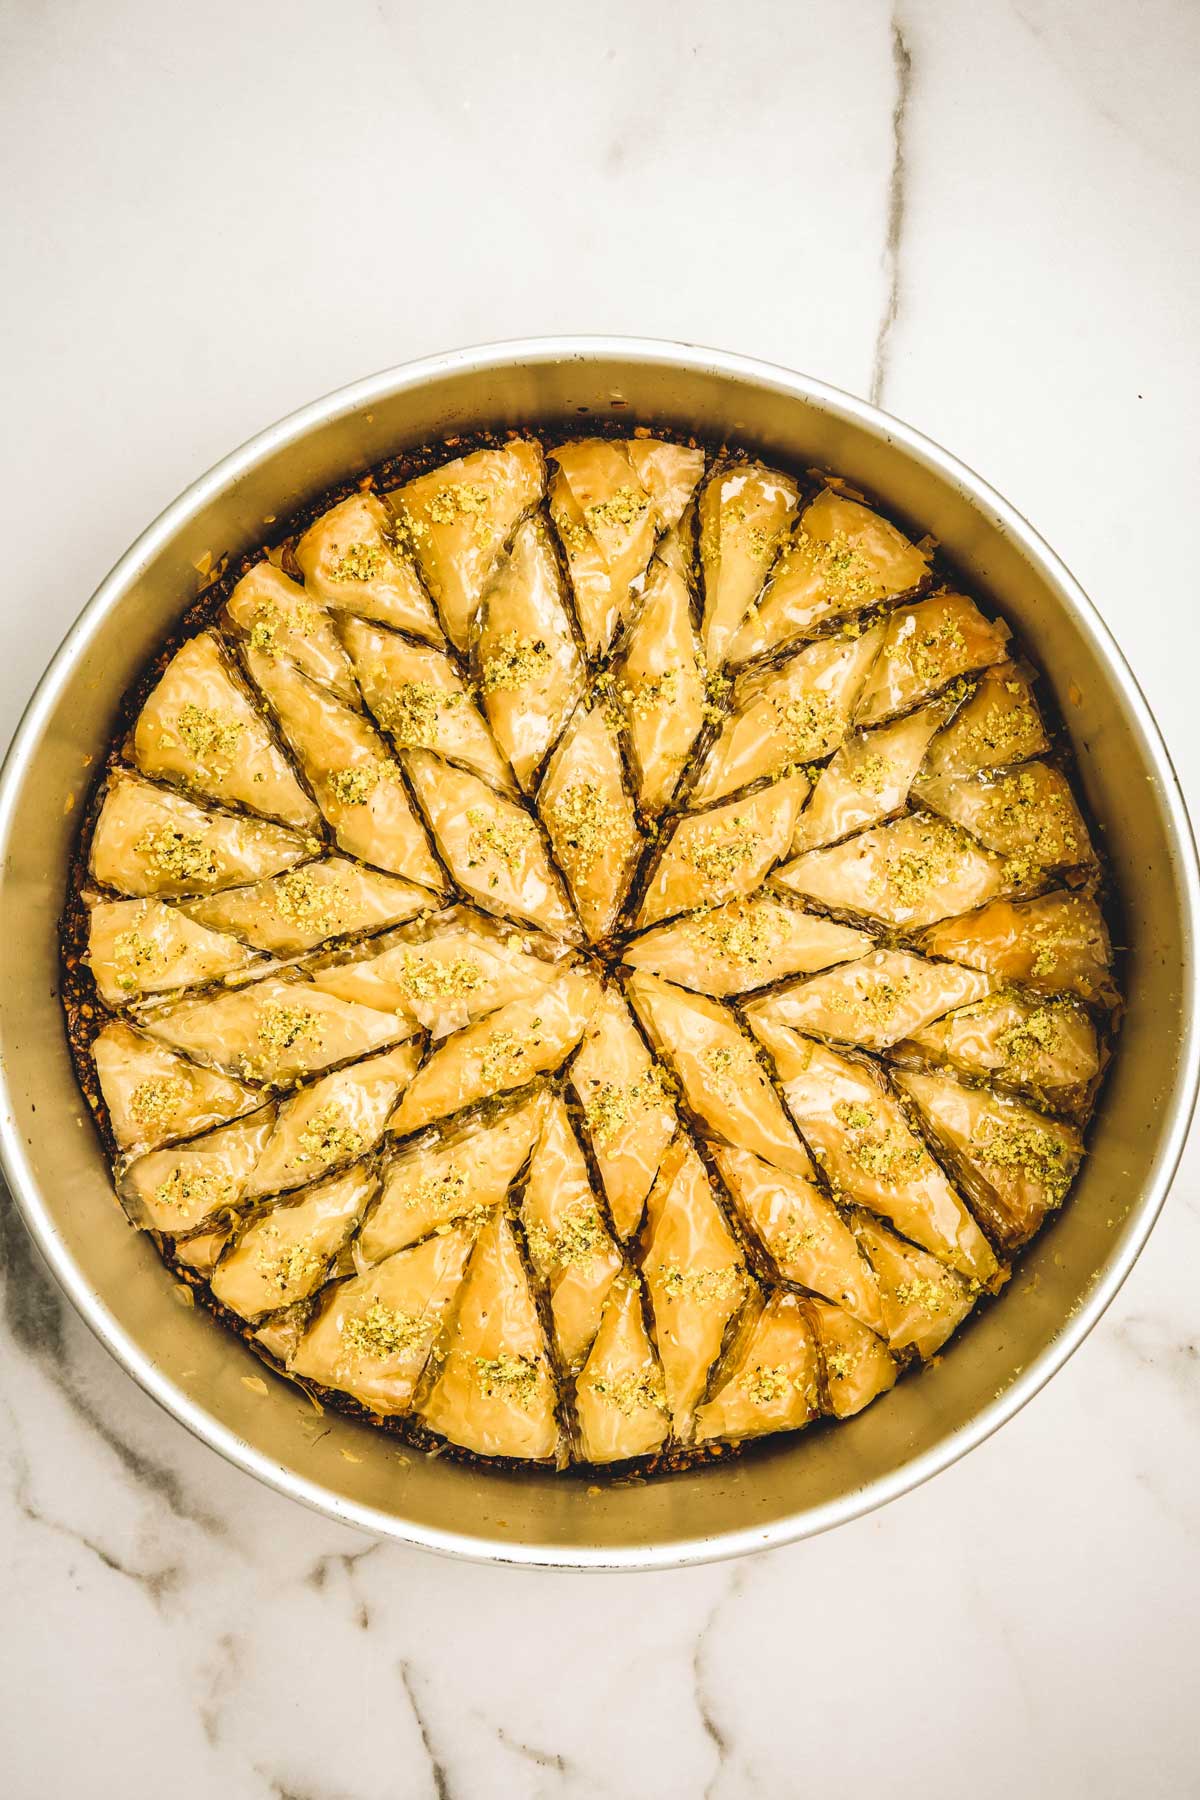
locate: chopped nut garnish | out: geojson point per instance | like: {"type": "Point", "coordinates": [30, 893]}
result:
{"type": "Point", "coordinates": [303, 900]}
{"type": "Point", "coordinates": [358, 562]}
{"type": "Point", "coordinates": [327, 1138]}
{"type": "Point", "coordinates": [507, 841]}
{"type": "Point", "coordinates": [382, 1331]}
{"type": "Point", "coordinates": [609, 1109]}
{"type": "Point", "coordinates": [439, 1191]}
{"type": "Point", "coordinates": [286, 1266]}
{"type": "Point", "coordinates": [503, 1057]}
{"type": "Point", "coordinates": [514, 663]}
{"type": "Point", "coordinates": [209, 737]}
{"type": "Point", "coordinates": [722, 850]}
{"type": "Point", "coordinates": [701, 1284]}
{"type": "Point", "coordinates": [765, 1384]}
{"type": "Point", "coordinates": [429, 978]}
{"type": "Point", "coordinates": [506, 1377]}
{"type": "Point", "coordinates": [745, 933]}
{"type": "Point", "coordinates": [179, 855]}
{"type": "Point", "coordinates": [1027, 1150]}
{"type": "Point", "coordinates": [192, 1192]}
{"type": "Point", "coordinates": [879, 1149]}
{"type": "Point", "coordinates": [137, 957]}
{"type": "Point", "coordinates": [354, 787]}
{"type": "Point", "coordinates": [624, 507]}
{"type": "Point", "coordinates": [585, 826]}
{"type": "Point", "coordinates": [808, 722]}
{"type": "Point", "coordinates": [412, 711]}
{"type": "Point", "coordinates": [632, 1392]}
{"type": "Point", "coordinates": [573, 1243]}
{"type": "Point", "coordinates": [154, 1100]}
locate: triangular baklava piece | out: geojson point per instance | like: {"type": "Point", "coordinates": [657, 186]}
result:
{"type": "Point", "coordinates": [997, 724]}
{"type": "Point", "coordinates": [275, 1030]}
{"type": "Point", "coordinates": [620, 1397]}
{"type": "Point", "coordinates": [770, 1382]}
{"type": "Point", "coordinates": [1057, 942]}
{"type": "Point", "coordinates": [334, 1121]}
{"type": "Point", "coordinates": [923, 1301]}
{"type": "Point", "coordinates": [286, 1253]}
{"type": "Point", "coordinates": [787, 715]}
{"type": "Point", "coordinates": [925, 648]}
{"type": "Point", "coordinates": [840, 558]}
{"type": "Point", "coordinates": [458, 519]}
{"type": "Point", "coordinates": [150, 840]}
{"type": "Point", "coordinates": [802, 1231]}
{"type": "Point", "coordinates": [153, 1094]}
{"type": "Point", "coordinates": [1015, 1163]}
{"type": "Point", "coordinates": [374, 1332]}
{"type": "Point", "coordinates": [199, 726]}
{"type": "Point", "coordinates": [495, 1392]}
{"type": "Point", "coordinates": [352, 564]}
{"type": "Point", "coordinates": [907, 874]}
{"type": "Point", "coordinates": [529, 668]}
{"type": "Point", "coordinates": [868, 780]}
{"type": "Point", "coordinates": [142, 947]}
{"type": "Point", "coordinates": [184, 1188]}
{"type": "Point", "coordinates": [303, 907]}
{"type": "Point", "coordinates": [1047, 1046]}
{"type": "Point", "coordinates": [356, 780]}
{"type": "Point", "coordinates": [570, 1246]}
{"type": "Point", "coordinates": [590, 819]}
{"type": "Point", "coordinates": [433, 1185]}
{"type": "Point", "coordinates": [875, 1001]}
{"type": "Point", "coordinates": [744, 944]}
{"type": "Point", "coordinates": [694, 1275]}
{"type": "Point", "coordinates": [628, 1114]}
{"type": "Point", "coordinates": [869, 1153]}
{"type": "Point", "coordinates": [422, 702]}
{"type": "Point", "coordinates": [719, 1070]}
{"type": "Point", "coordinates": [1027, 814]}
{"type": "Point", "coordinates": [660, 684]}
{"type": "Point", "coordinates": [491, 846]}
{"type": "Point", "coordinates": [274, 617]}
{"type": "Point", "coordinates": [711, 857]}
{"type": "Point", "coordinates": [856, 1364]}
{"type": "Point", "coordinates": [744, 510]}
{"type": "Point", "coordinates": [501, 1052]}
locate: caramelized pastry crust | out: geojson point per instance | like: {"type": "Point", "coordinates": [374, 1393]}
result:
{"type": "Point", "coordinates": [591, 955]}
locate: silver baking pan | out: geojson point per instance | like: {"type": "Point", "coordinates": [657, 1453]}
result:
{"type": "Point", "coordinates": [778, 1491]}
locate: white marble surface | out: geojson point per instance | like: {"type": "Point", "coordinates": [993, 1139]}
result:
{"type": "Point", "coordinates": [988, 214]}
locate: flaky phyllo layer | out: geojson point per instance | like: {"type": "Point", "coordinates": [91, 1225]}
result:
{"type": "Point", "coordinates": [593, 953]}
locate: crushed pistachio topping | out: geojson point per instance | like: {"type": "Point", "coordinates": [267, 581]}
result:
{"type": "Point", "coordinates": [503, 1057]}
{"type": "Point", "coordinates": [303, 900]}
{"type": "Point", "coordinates": [766, 1384]}
{"type": "Point", "coordinates": [744, 932]}
{"type": "Point", "coordinates": [574, 1242]}
{"type": "Point", "coordinates": [732, 1065]}
{"type": "Point", "coordinates": [209, 737]}
{"type": "Point", "coordinates": [874, 1003]}
{"type": "Point", "coordinates": [506, 1377]}
{"type": "Point", "coordinates": [493, 836]}
{"type": "Point", "coordinates": [655, 692]}
{"type": "Point", "coordinates": [412, 711]}
{"type": "Point", "coordinates": [137, 957]}
{"type": "Point", "coordinates": [466, 499]}
{"type": "Point", "coordinates": [437, 1192]}
{"type": "Point", "coordinates": [1052, 940]}
{"type": "Point", "coordinates": [1024, 1150]}
{"type": "Point", "coordinates": [156, 1099]}
{"type": "Point", "coordinates": [287, 1266]}
{"type": "Point", "coordinates": [871, 773]}
{"type": "Point", "coordinates": [840, 1364]}
{"type": "Point", "coordinates": [635, 1391]}
{"type": "Point", "coordinates": [808, 722]}
{"type": "Point", "coordinates": [358, 562]}
{"type": "Point", "coordinates": [327, 1138]}
{"type": "Point", "coordinates": [1038, 1034]}
{"type": "Point", "coordinates": [1000, 728]}
{"type": "Point", "coordinates": [931, 1296]}
{"type": "Point", "coordinates": [281, 1027]}
{"type": "Point", "coordinates": [611, 1106]}
{"type": "Point", "coordinates": [794, 1241]}
{"type": "Point", "coordinates": [585, 825]}
{"type": "Point", "coordinates": [382, 1331]}
{"type": "Point", "coordinates": [269, 623]}
{"type": "Point", "coordinates": [178, 855]}
{"type": "Point", "coordinates": [842, 570]}
{"type": "Point", "coordinates": [718, 852]}
{"type": "Point", "coordinates": [933, 654]}
{"type": "Point", "coordinates": [716, 693]}
{"type": "Point", "coordinates": [1020, 805]}
{"type": "Point", "coordinates": [622, 508]}
{"type": "Point", "coordinates": [701, 1285]}
{"type": "Point", "coordinates": [514, 663]}
{"type": "Point", "coordinates": [354, 787]}
{"type": "Point", "coordinates": [193, 1192]}
{"type": "Point", "coordinates": [430, 978]}
{"type": "Point", "coordinates": [881, 1150]}
{"type": "Point", "coordinates": [914, 870]}
{"type": "Point", "coordinates": [573, 532]}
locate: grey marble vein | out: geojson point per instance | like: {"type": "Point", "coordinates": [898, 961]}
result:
{"type": "Point", "coordinates": [701, 1687]}
{"type": "Point", "coordinates": [552, 1760]}
{"type": "Point", "coordinates": [35, 1314]}
{"type": "Point", "coordinates": [896, 207]}
{"type": "Point", "coordinates": [437, 1768]}
{"type": "Point", "coordinates": [157, 1580]}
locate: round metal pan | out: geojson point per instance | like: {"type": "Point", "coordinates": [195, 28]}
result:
{"type": "Point", "coordinates": [777, 1491]}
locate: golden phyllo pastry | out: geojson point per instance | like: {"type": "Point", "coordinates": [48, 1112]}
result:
{"type": "Point", "coordinates": [529, 668]}
{"type": "Point", "coordinates": [591, 960]}
{"type": "Point", "coordinates": [839, 558]}
{"type": "Point", "coordinates": [495, 1393]}
{"type": "Point", "coordinates": [458, 520]}
{"type": "Point", "coordinates": [352, 563]}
